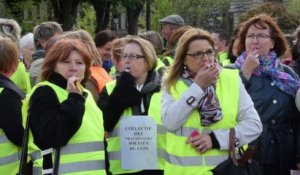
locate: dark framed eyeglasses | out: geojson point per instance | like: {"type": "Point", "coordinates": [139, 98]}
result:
{"type": "Point", "coordinates": [200, 54]}
{"type": "Point", "coordinates": [259, 36]}
{"type": "Point", "coordinates": [132, 56]}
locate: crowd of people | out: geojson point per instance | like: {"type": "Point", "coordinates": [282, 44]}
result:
{"type": "Point", "coordinates": [74, 104]}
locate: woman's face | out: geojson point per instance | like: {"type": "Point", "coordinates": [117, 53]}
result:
{"type": "Point", "coordinates": [133, 61]}
{"type": "Point", "coordinates": [105, 51]}
{"type": "Point", "coordinates": [196, 58]}
{"type": "Point", "coordinates": [73, 66]}
{"type": "Point", "coordinates": [259, 39]}
{"type": "Point", "coordinates": [27, 54]}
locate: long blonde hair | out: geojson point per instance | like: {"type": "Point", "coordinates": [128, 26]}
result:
{"type": "Point", "coordinates": [180, 54]}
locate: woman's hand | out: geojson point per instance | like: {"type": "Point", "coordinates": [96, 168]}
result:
{"type": "Point", "coordinates": [201, 143]}
{"type": "Point", "coordinates": [207, 75]}
{"type": "Point", "coordinates": [251, 63]}
{"type": "Point", "coordinates": [71, 85]}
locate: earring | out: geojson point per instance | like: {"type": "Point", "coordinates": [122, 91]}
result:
{"type": "Point", "coordinates": [184, 67]}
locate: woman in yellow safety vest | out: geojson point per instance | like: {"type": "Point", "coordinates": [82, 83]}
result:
{"type": "Point", "coordinates": [11, 129]}
{"type": "Point", "coordinates": [200, 102]}
{"type": "Point", "coordinates": [134, 94]}
{"type": "Point", "coordinates": [65, 122]}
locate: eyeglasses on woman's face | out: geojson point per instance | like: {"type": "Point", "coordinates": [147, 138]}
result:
{"type": "Point", "coordinates": [132, 56]}
{"type": "Point", "coordinates": [260, 36]}
{"type": "Point", "coordinates": [200, 54]}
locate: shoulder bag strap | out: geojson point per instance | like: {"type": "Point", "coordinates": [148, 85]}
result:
{"type": "Point", "coordinates": [23, 159]}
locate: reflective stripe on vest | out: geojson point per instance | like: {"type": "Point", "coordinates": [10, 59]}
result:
{"type": "Point", "coordinates": [116, 155]}
{"type": "Point", "coordinates": [81, 166]}
{"type": "Point", "coordinates": [3, 139]}
{"type": "Point", "coordinates": [186, 131]}
{"type": "Point", "coordinates": [183, 159]}
{"type": "Point", "coordinates": [10, 159]}
{"type": "Point", "coordinates": [37, 171]}
{"type": "Point", "coordinates": [82, 147]}
{"type": "Point", "coordinates": [196, 161]}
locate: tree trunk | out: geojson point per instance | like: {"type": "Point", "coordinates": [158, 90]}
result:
{"type": "Point", "coordinates": [15, 9]}
{"type": "Point", "coordinates": [102, 8]}
{"type": "Point", "coordinates": [65, 12]}
{"type": "Point", "coordinates": [133, 15]}
{"type": "Point", "coordinates": [148, 15]}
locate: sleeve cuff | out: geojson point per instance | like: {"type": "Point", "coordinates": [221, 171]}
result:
{"type": "Point", "coordinates": [77, 96]}
{"type": "Point", "coordinates": [214, 141]}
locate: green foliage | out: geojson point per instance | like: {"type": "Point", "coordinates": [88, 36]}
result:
{"type": "Point", "coordinates": [287, 21]}
{"type": "Point", "coordinates": [294, 8]}
{"type": "Point", "coordinates": [87, 18]}
{"type": "Point", "coordinates": [159, 10]}
{"type": "Point", "coordinates": [131, 3]}
{"type": "Point", "coordinates": [195, 13]}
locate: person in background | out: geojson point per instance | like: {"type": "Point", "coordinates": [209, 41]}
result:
{"type": "Point", "coordinates": [99, 77]}
{"type": "Point", "coordinates": [295, 64]}
{"type": "Point", "coordinates": [135, 92]}
{"type": "Point", "coordinates": [155, 39]}
{"type": "Point", "coordinates": [169, 25]}
{"type": "Point", "coordinates": [287, 58]}
{"type": "Point", "coordinates": [221, 42]}
{"type": "Point", "coordinates": [272, 87]}
{"type": "Point", "coordinates": [232, 55]}
{"type": "Point", "coordinates": [42, 33]}
{"type": "Point", "coordinates": [103, 41]}
{"type": "Point", "coordinates": [64, 116]}
{"type": "Point", "coordinates": [117, 49]}
{"type": "Point", "coordinates": [168, 55]}
{"type": "Point", "coordinates": [201, 101]}
{"type": "Point", "coordinates": [27, 49]}
{"type": "Point", "coordinates": [9, 28]}
{"type": "Point", "coordinates": [11, 129]}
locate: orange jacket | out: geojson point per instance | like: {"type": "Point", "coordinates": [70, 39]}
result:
{"type": "Point", "coordinates": [100, 75]}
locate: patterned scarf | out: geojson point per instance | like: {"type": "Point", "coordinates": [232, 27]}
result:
{"type": "Point", "coordinates": [269, 68]}
{"type": "Point", "coordinates": [209, 106]}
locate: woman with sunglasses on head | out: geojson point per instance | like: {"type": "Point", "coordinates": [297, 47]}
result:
{"type": "Point", "coordinates": [272, 87]}
{"type": "Point", "coordinates": [201, 101]}
{"type": "Point", "coordinates": [135, 93]}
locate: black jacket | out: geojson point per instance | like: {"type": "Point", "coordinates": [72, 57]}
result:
{"type": "Point", "coordinates": [126, 95]}
{"type": "Point", "coordinates": [11, 116]}
{"type": "Point", "coordinates": [53, 123]}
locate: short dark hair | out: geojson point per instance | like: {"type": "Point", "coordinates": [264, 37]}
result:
{"type": "Point", "coordinates": [103, 37]}
{"type": "Point", "coordinates": [222, 36]}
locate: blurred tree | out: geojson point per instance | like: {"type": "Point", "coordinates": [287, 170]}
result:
{"type": "Point", "coordinates": [286, 21]}
{"type": "Point", "coordinates": [294, 8]}
{"type": "Point", "coordinates": [16, 9]}
{"type": "Point", "coordinates": [65, 12]}
{"type": "Point", "coordinates": [159, 10]}
{"type": "Point", "coordinates": [133, 10]}
{"type": "Point", "coordinates": [86, 19]}
{"type": "Point", "coordinates": [102, 8]}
